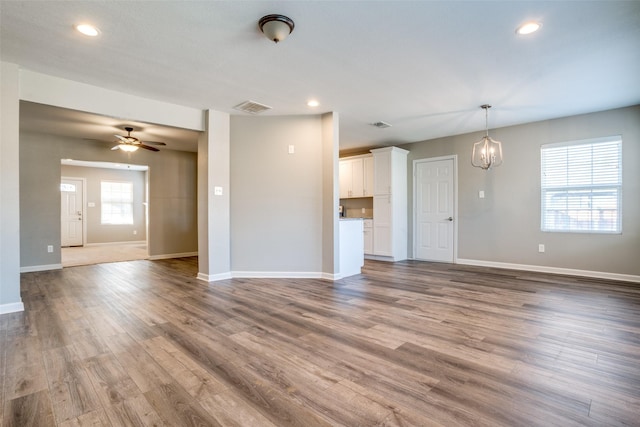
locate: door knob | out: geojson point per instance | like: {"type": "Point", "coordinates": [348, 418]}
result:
{"type": "Point", "coordinates": [450, 218]}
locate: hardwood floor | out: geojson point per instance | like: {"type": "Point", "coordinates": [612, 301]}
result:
{"type": "Point", "coordinates": [405, 344]}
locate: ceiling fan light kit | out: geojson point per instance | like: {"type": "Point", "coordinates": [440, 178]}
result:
{"type": "Point", "coordinates": [126, 147]}
{"type": "Point", "coordinates": [131, 143]}
{"type": "Point", "coordinates": [276, 27]}
{"type": "Point", "coordinates": [487, 152]}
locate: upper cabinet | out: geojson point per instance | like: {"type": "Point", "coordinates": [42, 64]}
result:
{"type": "Point", "coordinates": [356, 176]}
{"type": "Point", "coordinates": [383, 175]}
{"type": "Point", "coordinates": [390, 164]}
{"type": "Point", "coordinates": [368, 176]}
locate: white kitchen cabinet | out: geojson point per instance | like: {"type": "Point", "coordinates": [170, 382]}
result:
{"type": "Point", "coordinates": [345, 178]}
{"type": "Point", "coordinates": [368, 167]}
{"type": "Point", "coordinates": [356, 176]}
{"type": "Point", "coordinates": [390, 204]}
{"type": "Point", "coordinates": [368, 236]}
{"type": "Point", "coordinates": [383, 172]}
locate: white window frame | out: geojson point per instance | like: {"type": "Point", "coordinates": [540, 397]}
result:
{"type": "Point", "coordinates": [117, 208]}
{"type": "Point", "coordinates": [581, 182]}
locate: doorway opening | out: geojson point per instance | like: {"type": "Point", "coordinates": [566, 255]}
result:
{"type": "Point", "coordinates": [103, 212]}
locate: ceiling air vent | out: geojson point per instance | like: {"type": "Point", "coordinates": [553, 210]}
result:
{"type": "Point", "coordinates": [381, 125]}
{"type": "Point", "coordinates": [252, 107]}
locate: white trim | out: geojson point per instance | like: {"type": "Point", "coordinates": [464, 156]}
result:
{"type": "Point", "coordinates": [553, 270]}
{"type": "Point", "coordinates": [34, 268]}
{"type": "Point", "coordinates": [382, 258]}
{"type": "Point", "coordinates": [269, 275]}
{"type": "Point", "coordinates": [128, 242]}
{"type": "Point", "coordinates": [13, 307]}
{"type": "Point", "coordinates": [213, 277]}
{"type": "Point", "coordinates": [169, 256]}
{"type": "Point", "coordinates": [277, 274]}
{"type": "Point", "coordinates": [453, 157]}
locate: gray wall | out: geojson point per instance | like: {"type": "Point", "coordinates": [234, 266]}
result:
{"type": "Point", "coordinates": [172, 195]}
{"type": "Point", "coordinates": [505, 225]}
{"type": "Point", "coordinates": [276, 198]}
{"type": "Point", "coordinates": [105, 233]}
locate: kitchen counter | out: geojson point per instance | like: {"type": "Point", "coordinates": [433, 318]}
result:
{"type": "Point", "coordinates": [351, 246]}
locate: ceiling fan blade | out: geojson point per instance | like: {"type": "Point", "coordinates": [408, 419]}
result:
{"type": "Point", "coordinates": [146, 147]}
{"type": "Point", "coordinates": [154, 142]}
{"type": "Point", "coordinates": [115, 148]}
{"type": "Point", "coordinates": [121, 138]}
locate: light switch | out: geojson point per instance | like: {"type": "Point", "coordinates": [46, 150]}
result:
{"type": "Point", "coordinates": [292, 149]}
{"type": "Point", "coordinates": [91, 204]}
{"type": "Point", "coordinates": [481, 194]}
{"type": "Point", "coordinates": [217, 191]}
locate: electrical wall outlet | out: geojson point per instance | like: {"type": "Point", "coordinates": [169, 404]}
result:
{"type": "Point", "coordinates": [135, 232]}
{"type": "Point", "coordinates": [50, 248]}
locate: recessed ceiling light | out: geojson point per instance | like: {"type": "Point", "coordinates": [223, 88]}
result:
{"type": "Point", "coordinates": [313, 103]}
{"type": "Point", "coordinates": [88, 30]}
{"type": "Point", "coordinates": [528, 28]}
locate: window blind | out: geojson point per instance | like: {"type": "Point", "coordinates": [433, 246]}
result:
{"type": "Point", "coordinates": [581, 183]}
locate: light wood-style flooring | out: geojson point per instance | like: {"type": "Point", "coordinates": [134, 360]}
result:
{"type": "Point", "coordinates": [144, 343]}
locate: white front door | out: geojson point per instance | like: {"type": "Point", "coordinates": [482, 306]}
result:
{"type": "Point", "coordinates": [434, 195]}
{"type": "Point", "coordinates": [71, 203]}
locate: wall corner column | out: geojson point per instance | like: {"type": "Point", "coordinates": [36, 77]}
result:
{"type": "Point", "coordinates": [330, 196]}
{"type": "Point", "coordinates": [10, 300]}
{"type": "Point", "coordinates": [214, 207]}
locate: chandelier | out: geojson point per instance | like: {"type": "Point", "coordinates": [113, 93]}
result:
{"type": "Point", "coordinates": [487, 152]}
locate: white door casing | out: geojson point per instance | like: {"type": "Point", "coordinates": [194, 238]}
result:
{"type": "Point", "coordinates": [72, 212]}
{"type": "Point", "coordinates": [435, 209]}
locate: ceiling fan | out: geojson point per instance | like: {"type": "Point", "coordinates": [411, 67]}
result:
{"type": "Point", "coordinates": [131, 143]}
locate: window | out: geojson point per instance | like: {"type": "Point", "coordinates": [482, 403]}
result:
{"type": "Point", "coordinates": [117, 202]}
{"type": "Point", "coordinates": [64, 187]}
{"type": "Point", "coordinates": [582, 186]}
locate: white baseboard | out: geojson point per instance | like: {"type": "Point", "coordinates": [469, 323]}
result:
{"type": "Point", "coordinates": [34, 268]}
{"type": "Point", "coordinates": [213, 277]}
{"type": "Point", "coordinates": [169, 256]}
{"type": "Point", "coordinates": [269, 275]}
{"type": "Point", "coordinates": [14, 307]}
{"type": "Point", "coordinates": [553, 270]}
{"type": "Point", "coordinates": [128, 242]}
{"type": "Point", "coordinates": [277, 274]}
{"type": "Point", "coordinates": [383, 258]}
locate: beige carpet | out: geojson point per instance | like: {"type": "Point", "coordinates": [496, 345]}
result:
{"type": "Point", "coordinates": [86, 255]}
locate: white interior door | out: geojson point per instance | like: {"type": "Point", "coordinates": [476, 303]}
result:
{"type": "Point", "coordinates": [434, 209]}
{"type": "Point", "coordinates": [71, 212]}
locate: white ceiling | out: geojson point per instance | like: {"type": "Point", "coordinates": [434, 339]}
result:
{"type": "Point", "coordinates": [423, 66]}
